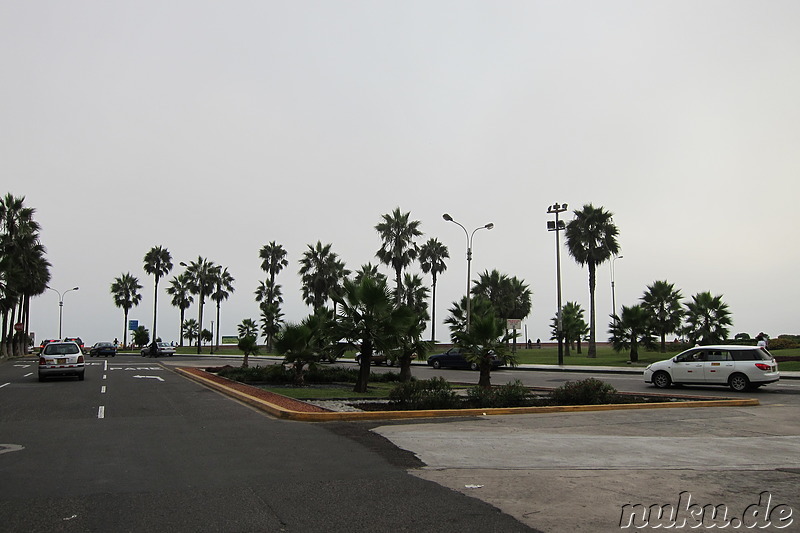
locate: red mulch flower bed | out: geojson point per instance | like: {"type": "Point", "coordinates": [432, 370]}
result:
{"type": "Point", "coordinates": [267, 396]}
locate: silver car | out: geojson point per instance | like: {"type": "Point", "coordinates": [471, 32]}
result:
{"type": "Point", "coordinates": [61, 359]}
{"type": "Point", "coordinates": [739, 367]}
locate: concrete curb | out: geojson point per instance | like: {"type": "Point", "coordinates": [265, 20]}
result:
{"type": "Point", "coordinates": [287, 414]}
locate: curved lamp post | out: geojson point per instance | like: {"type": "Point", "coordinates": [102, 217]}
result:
{"type": "Point", "coordinates": [61, 306]}
{"type": "Point", "coordinates": [469, 256]}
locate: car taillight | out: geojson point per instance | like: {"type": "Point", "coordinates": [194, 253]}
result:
{"type": "Point", "coordinates": [42, 361]}
{"type": "Point", "coordinates": [762, 366]}
{"type": "Point", "coordinates": [80, 359]}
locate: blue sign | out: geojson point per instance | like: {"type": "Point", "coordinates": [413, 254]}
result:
{"type": "Point", "coordinates": [133, 325]}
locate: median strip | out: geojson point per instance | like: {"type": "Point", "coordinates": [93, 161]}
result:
{"type": "Point", "coordinates": [288, 408]}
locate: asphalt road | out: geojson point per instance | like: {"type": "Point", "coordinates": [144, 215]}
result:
{"type": "Point", "coordinates": [135, 447]}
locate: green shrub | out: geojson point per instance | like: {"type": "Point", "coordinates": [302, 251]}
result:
{"type": "Point", "coordinates": [589, 391]}
{"type": "Point", "coordinates": [434, 393]}
{"type": "Point", "coordinates": [278, 374]}
{"type": "Point", "coordinates": [782, 343]}
{"type": "Point", "coordinates": [257, 374]}
{"type": "Point", "coordinates": [513, 394]}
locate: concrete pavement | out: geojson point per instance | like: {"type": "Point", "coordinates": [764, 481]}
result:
{"type": "Point", "coordinates": [576, 471]}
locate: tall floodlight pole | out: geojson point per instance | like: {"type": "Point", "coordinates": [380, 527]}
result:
{"type": "Point", "coordinates": [613, 294]}
{"type": "Point", "coordinates": [61, 306]}
{"type": "Point", "coordinates": [469, 256]}
{"type": "Point", "coordinates": [557, 226]}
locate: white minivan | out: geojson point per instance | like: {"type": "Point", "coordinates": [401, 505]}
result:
{"type": "Point", "coordinates": [739, 367]}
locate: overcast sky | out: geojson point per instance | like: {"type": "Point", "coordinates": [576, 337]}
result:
{"type": "Point", "coordinates": [213, 128]}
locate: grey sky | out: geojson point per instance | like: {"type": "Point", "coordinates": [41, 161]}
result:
{"type": "Point", "coordinates": [212, 128]}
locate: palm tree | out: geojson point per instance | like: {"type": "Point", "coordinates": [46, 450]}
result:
{"type": "Point", "coordinates": [294, 343]}
{"type": "Point", "coordinates": [201, 282]}
{"type": "Point", "coordinates": [398, 249]}
{"type": "Point", "coordinates": [157, 263]}
{"type": "Point", "coordinates": [247, 328]}
{"type": "Point", "coordinates": [707, 318]}
{"type": "Point", "coordinates": [125, 290]}
{"type": "Point", "coordinates": [409, 341]}
{"type": "Point", "coordinates": [25, 270]}
{"type": "Point", "coordinates": [269, 297]}
{"type": "Point", "coordinates": [630, 330]}
{"type": "Point", "coordinates": [222, 289]}
{"type": "Point", "coordinates": [273, 257]}
{"type": "Point", "coordinates": [191, 329]}
{"type": "Point", "coordinates": [457, 320]}
{"type": "Point", "coordinates": [431, 259]}
{"type": "Point", "coordinates": [663, 302]}
{"type": "Point", "coordinates": [368, 319]}
{"type": "Point", "coordinates": [180, 290]}
{"type": "Point", "coordinates": [248, 331]}
{"type": "Point", "coordinates": [321, 273]}
{"type": "Point", "coordinates": [591, 240]}
{"type": "Point", "coordinates": [484, 340]}
{"type": "Point", "coordinates": [368, 270]}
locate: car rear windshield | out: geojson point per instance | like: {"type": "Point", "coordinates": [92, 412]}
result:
{"type": "Point", "coordinates": [756, 354]}
{"type": "Point", "coordinates": [61, 349]}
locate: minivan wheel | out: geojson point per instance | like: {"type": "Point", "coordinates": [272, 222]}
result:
{"type": "Point", "coordinates": [661, 380]}
{"type": "Point", "coordinates": [739, 382]}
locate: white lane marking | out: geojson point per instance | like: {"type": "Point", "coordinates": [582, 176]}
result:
{"type": "Point", "coordinates": [150, 377]}
{"type": "Point", "coordinates": [22, 366]}
{"type": "Point", "coordinates": [4, 384]}
{"type": "Point", "coordinates": [105, 365]}
{"type": "Point", "coordinates": [103, 389]}
{"type": "Point", "coordinates": [28, 374]}
{"type": "Point", "coordinates": [105, 376]}
{"type": "Point", "coordinates": [5, 448]}
{"type": "Point", "coordinates": [101, 412]}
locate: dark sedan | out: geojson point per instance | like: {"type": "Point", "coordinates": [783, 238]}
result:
{"type": "Point", "coordinates": [105, 349]}
{"type": "Point", "coordinates": [454, 358]}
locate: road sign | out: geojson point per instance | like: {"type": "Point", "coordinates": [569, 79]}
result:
{"type": "Point", "coordinates": [514, 323]}
{"type": "Point", "coordinates": [19, 326]}
{"type": "Point", "coordinates": [133, 325]}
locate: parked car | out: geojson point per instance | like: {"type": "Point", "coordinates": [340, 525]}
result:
{"type": "Point", "coordinates": [103, 348]}
{"type": "Point", "coordinates": [76, 340]}
{"type": "Point", "coordinates": [161, 348]}
{"type": "Point", "coordinates": [454, 358]}
{"type": "Point", "coordinates": [739, 367]}
{"type": "Point", "coordinates": [61, 359]}
{"type": "Point", "coordinates": [378, 358]}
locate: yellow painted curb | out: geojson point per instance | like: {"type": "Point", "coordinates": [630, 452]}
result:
{"type": "Point", "coordinates": [280, 412]}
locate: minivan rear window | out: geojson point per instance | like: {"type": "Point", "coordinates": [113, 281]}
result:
{"type": "Point", "coordinates": [756, 354]}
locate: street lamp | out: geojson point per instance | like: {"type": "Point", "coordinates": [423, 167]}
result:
{"type": "Point", "coordinates": [613, 295]}
{"type": "Point", "coordinates": [557, 226]}
{"type": "Point", "coordinates": [61, 305]}
{"type": "Point", "coordinates": [469, 256]}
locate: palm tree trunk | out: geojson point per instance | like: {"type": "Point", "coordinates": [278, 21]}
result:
{"type": "Point", "coordinates": [155, 310]}
{"type": "Point", "coordinates": [200, 322]}
{"type": "Point", "coordinates": [125, 328]}
{"type": "Point", "coordinates": [485, 380]}
{"type": "Point", "coordinates": [183, 315]}
{"type": "Point", "coordinates": [433, 310]}
{"type": "Point", "coordinates": [592, 344]}
{"type": "Point", "coordinates": [364, 370]}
